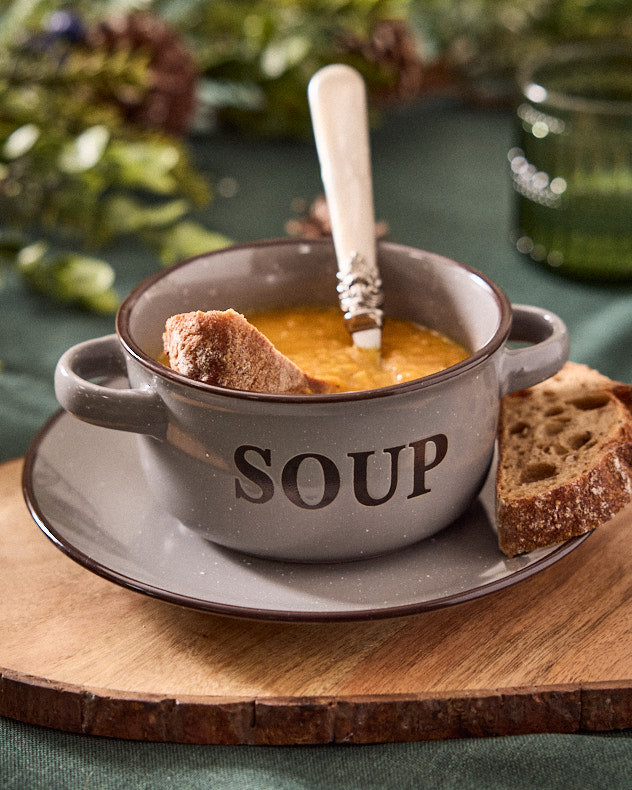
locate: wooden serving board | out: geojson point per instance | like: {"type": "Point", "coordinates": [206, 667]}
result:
{"type": "Point", "coordinates": [78, 653]}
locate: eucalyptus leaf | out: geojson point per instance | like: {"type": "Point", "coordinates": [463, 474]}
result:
{"type": "Point", "coordinates": [130, 215]}
{"type": "Point", "coordinates": [85, 151]}
{"type": "Point", "coordinates": [79, 276]}
{"type": "Point", "coordinates": [68, 276]}
{"type": "Point", "coordinates": [184, 240]}
{"type": "Point", "coordinates": [105, 302]}
{"type": "Point", "coordinates": [21, 140]}
{"type": "Point", "coordinates": [146, 165]}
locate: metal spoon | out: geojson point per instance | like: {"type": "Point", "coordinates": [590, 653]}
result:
{"type": "Point", "coordinates": [338, 107]}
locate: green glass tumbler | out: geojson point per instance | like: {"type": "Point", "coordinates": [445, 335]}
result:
{"type": "Point", "coordinates": [572, 171]}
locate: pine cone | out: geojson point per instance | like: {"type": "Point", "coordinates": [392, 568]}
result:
{"type": "Point", "coordinates": [170, 101]}
{"type": "Point", "coordinates": [393, 46]}
{"type": "Point", "coordinates": [316, 224]}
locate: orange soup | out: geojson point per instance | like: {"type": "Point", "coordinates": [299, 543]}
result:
{"type": "Point", "coordinates": [316, 340]}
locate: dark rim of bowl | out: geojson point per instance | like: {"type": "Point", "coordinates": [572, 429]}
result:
{"type": "Point", "coordinates": [471, 361]}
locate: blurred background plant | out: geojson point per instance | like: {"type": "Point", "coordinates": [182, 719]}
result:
{"type": "Point", "coordinates": [92, 114]}
{"type": "Point", "coordinates": [482, 42]}
{"type": "Point", "coordinates": [97, 101]}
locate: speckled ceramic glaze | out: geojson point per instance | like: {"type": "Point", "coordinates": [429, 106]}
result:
{"type": "Point", "coordinates": [314, 478]}
{"type": "Point", "coordinates": [86, 491]}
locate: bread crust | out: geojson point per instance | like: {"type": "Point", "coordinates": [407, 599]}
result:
{"type": "Point", "coordinates": [577, 500]}
{"type": "Point", "coordinates": [221, 347]}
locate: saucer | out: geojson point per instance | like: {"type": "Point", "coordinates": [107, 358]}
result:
{"type": "Point", "coordinates": [85, 489]}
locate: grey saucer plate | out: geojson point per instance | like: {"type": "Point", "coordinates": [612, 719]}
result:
{"type": "Point", "coordinates": [86, 491]}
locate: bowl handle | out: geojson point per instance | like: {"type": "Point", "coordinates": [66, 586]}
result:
{"type": "Point", "coordinates": [138, 410]}
{"type": "Point", "coordinates": [523, 367]}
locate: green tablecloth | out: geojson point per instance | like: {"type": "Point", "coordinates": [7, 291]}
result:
{"type": "Point", "coordinates": [441, 183]}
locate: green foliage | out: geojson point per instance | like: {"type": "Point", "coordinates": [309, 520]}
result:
{"type": "Point", "coordinates": [68, 277]}
{"type": "Point", "coordinates": [492, 37]}
{"type": "Point", "coordinates": [258, 57]}
{"type": "Point", "coordinates": [75, 176]}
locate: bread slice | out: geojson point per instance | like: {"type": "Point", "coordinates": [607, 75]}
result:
{"type": "Point", "coordinates": [565, 458]}
{"type": "Point", "coordinates": [223, 348]}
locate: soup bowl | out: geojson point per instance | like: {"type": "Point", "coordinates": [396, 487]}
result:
{"type": "Point", "coordinates": [313, 478]}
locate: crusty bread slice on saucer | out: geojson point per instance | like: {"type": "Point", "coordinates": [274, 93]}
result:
{"type": "Point", "coordinates": [565, 458]}
{"type": "Point", "coordinates": [221, 347]}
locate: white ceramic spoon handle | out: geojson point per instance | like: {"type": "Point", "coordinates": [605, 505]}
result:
{"type": "Point", "coordinates": [338, 106]}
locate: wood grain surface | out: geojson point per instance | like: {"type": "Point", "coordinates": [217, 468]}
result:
{"type": "Point", "coordinates": [79, 653]}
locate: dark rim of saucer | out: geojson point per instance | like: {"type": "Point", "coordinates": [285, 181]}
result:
{"type": "Point", "coordinates": [474, 359]}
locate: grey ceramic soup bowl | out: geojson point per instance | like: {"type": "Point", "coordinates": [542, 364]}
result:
{"type": "Point", "coordinates": [314, 478]}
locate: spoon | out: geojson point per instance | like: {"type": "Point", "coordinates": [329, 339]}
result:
{"type": "Point", "coordinates": [338, 107]}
